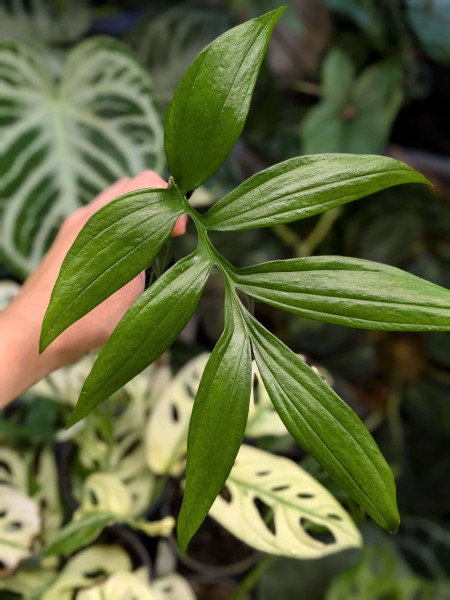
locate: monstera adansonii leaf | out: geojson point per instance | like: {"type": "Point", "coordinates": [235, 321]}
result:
{"type": "Point", "coordinates": [66, 132]}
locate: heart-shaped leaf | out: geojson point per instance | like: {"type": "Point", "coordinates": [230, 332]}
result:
{"type": "Point", "coordinates": [62, 143]}
{"type": "Point", "coordinates": [304, 186]}
{"type": "Point", "coordinates": [272, 504]}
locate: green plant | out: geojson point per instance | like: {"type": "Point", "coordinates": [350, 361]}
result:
{"type": "Point", "coordinates": [204, 120]}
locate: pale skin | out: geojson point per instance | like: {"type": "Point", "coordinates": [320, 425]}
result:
{"type": "Point", "coordinates": [21, 365]}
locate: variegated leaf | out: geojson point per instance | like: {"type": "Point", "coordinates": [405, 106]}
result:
{"type": "Point", "coordinates": [62, 143]}
{"type": "Point", "coordinates": [8, 289]}
{"type": "Point", "coordinates": [119, 586]}
{"type": "Point", "coordinates": [272, 504]}
{"type": "Point", "coordinates": [166, 435]}
{"type": "Point", "coordinates": [172, 587]}
{"type": "Point", "coordinates": [13, 471]}
{"type": "Point", "coordinates": [28, 584]}
{"type": "Point", "coordinates": [20, 523]}
{"type": "Point", "coordinates": [77, 572]}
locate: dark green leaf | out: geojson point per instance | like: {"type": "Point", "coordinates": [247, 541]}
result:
{"type": "Point", "coordinates": [208, 112]}
{"type": "Point", "coordinates": [78, 534]}
{"type": "Point", "coordinates": [305, 186]}
{"type": "Point", "coordinates": [149, 327]}
{"type": "Point", "coordinates": [115, 245]}
{"type": "Point", "coordinates": [325, 427]}
{"type": "Point", "coordinates": [217, 423]}
{"type": "Point", "coordinates": [350, 291]}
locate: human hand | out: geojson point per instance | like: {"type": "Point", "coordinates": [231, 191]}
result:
{"type": "Point", "coordinates": [20, 323]}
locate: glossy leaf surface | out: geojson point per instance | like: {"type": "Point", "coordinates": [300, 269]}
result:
{"type": "Point", "coordinates": [326, 427]}
{"type": "Point", "coordinates": [116, 244]}
{"type": "Point", "coordinates": [273, 504]}
{"type": "Point", "coordinates": [208, 112]}
{"type": "Point", "coordinates": [217, 423]}
{"type": "Point", "coordinates": [149, 327]}
{"type": "Point", "coordinates": [350, 291]}
{"type": "Point", "coordinates": [304, 186]}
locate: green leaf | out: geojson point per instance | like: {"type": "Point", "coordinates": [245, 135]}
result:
{"type": "Point", "coordinates": [208, 112]}
{"type": "Point", "coordinates": [80, 533]}
{"type": "Point", "coordinates": [430, 21]}
{"type": "Point", "coordinates": [349, 291]}
{"type": "Point", "coordinates": [116, 244]}
{"type": "Point", "coordinates": [64, 141]}
{"type": "Point", "coordinates": [325, 427]}
{"type": "Point", "coordinates": [217, 423]}
{"type": "Point", "coordinates": [149, 327]}
{"type": "Point", "coordinates": [304, 186]}
{"type": "Point", "coordinates": [354, 116]}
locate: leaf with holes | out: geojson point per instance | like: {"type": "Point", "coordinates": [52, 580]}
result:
{"type": "Point", "coordinates": [62, 143]}
{"type": "Point", "coordinates": [209, 108]}
{"type": "Point", "coordinates": [13, 470]}
{"type": "Point", "coordinates": [167, 428]}
{"type": "Point", "coordinates": [326, 427]}
{"type": "Point", "coordinates": [272, 504]}
{"type": "Point", "coordinates": [349, 291]}
{"type": "Point", "coordinates": [149, 327]}
{"type": "Point", "coordinates": [20, 523]}
{"type": "Point", "coordinates": [86, 568]}
{"type": "Point", "coordinates": [304, 186]}
{"type": "Point", "coordinates": [218, 420]}
{"type": "Point", "coordinates": [172, 587]}
{"type": "Point", "coordinates": [118, 587]}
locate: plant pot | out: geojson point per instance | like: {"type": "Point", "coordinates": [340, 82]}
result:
{"type": "Point", "coordinates": [206, 588]}
{"type": "Point", "coordinates": [213, 551]}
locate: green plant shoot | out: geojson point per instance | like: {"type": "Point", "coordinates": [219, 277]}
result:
{"type": "Point", "coordinates": [204, 120]}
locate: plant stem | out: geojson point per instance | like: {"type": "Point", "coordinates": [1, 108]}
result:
{"type": "Point", "coordinates": [253, 577]}
{"type": "Point", "coordinates": [322, 227]}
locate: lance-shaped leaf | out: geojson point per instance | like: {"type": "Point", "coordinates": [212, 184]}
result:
{"type": "Point", "coordinates": [116, 244]}
{"type": "Point", "coordinates": [148, 328]}
{"type": "Point", "coordinates": [275, 506]}
{"type": "Point", "coordinates": [208, 112]}
{"type": "Point", "coordinates": [325, 427]}
{"type": "Point", "coordinates": [217, 423]}
{"type": "Point", "coordinates": [350, 291]}
{"type": "Point", "coordinates": [304, 186]}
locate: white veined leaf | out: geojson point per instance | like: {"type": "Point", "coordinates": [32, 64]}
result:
{"type": "Point", "coordinates": [62, 143]}
{"type": "Point", "coordinates": [172, 587]}
{"type": "Point", "coordinates": [8, 289]}
{"type": "Point", "coordinates": [13, 470]}
{"type": "Point", "coordinates": [120, 586]}
{"type": "Point", "coordinates": [78, 571]}
{"type": "Point", "coordinates": [263, 419]}
{"type": "Point", "coordinates": [44, 20]}
{"type": "Point", "coordinates": [272, 504]}
{"type": "Point", "coordinates": [20, 523]}
{"type": "Point", "coordinates": [168, 42]}
{"type": "Point", "coordinates": [166, 435]}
